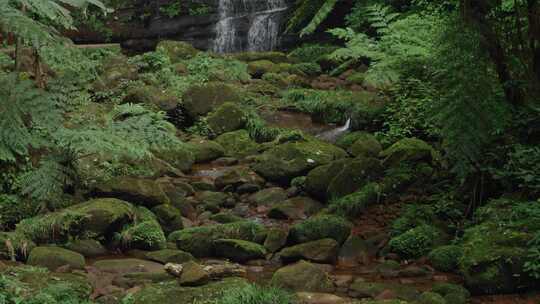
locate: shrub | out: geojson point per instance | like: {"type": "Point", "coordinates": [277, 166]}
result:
{"type": "Point", "coordinates": [253, 294]}
{"type": "Point", "coordinates": [446, 258]}
{"type": "Point", "coordinates": [416, 242]}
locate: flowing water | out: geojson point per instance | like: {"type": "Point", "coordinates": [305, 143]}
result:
{"type": "Point", "coordinates": [251, 25]}
{"type": "Point", "coordinates": [334, 134]}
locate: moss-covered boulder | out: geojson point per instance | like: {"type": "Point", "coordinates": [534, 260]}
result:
{"type": "Point", "coordinates": [321, 251]}
{"type": "Point", "coordinates": [199, 241]}
{"type": "Point", "coordinates": [268, 197]}
{"type": "Point", "coordinates": [173, 293]}
{"type": "Point", "coordinates": [238, 144]}
{"type": "Point", "coordinates": [226, 118]}
{"type": "Point", "coordinates": [199, 100]}
{"type": "Point", "coordinates": [452, 293]}
{"type": "Point", "coordinates": [408, 150]}
{"type": "Point", "coordinates": [88, 248]}
{"type": "Point", "coordinates": [295, 208]}
{"type": "Point", "coordinates": [276, 238]}
{"type": "Point", "coordinates": [143, 233]}
{"type": "Point", "coordinates": [446, 258]}
{"type": "Point", "coordinates": [193, 274]}
{"type": "Point", "coordinates": [54, 257]}
{"type": "Point", "coordinates": [169, 217]}
{"type": "Point", "coordinates": [177, 50]}
{"type": "Point", "coordinates": [365, 145]}
{"type": "Point", "coordinates": [431, 298]}
{"type": "Point", "coordinates": [128, 265]}
{"type": "Point", "coordinates": [139, 191]}
{"type": "Point", "coordinates": [303, 276]}
{"type": "Point", "coordinates": [284, 162]}
{"type": "Point", "coordinates": [362, 289]}
{"type": "Point", "coordinates": [320, 227]}
{"type": "Point", "coordinates": [169, 256]}
{"type": "Point", "coordinates": [114, 71]}
{"type": "Point", "coordinates": [226, 218]}
{"type": "Point", "coordinates": [416, 242]}
{"type": "Point", "coordinates": [180, 157]}
{"type": "Point", "coordinates": [211, 200]}
{"type": "Point", "coordinates": [260, 67]}
{"type": "Point", "coordinates": [205, 150]}
{"type": "Point", "coordinates": [236, 177]}
{"type": "Point", "coordinates": [152, 96]}
{"type": "Point", "coordinates": [238, 250]}
{"type": "Point", "coordinates": [275, 57]}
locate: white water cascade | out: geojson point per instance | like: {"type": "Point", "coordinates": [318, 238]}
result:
{"type": "Point", "coordinates": [251, 25]}
{"type": "Point", "coordinates": [334, 134]}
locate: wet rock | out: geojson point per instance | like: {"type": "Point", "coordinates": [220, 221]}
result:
{"type": "Point", "coordinates": [355, 251]}
{"type": "Point", "coordinates": [295, 209]}
{"type": "Point", "coordinates": [136, 190]}
{"type": "Point", "coordinates": [248, 188]}
{"type": "Point", "coordinates": [360, 289]}
{"type": "Point", "coordinates": [134, 279]}
{"type": "Point", "coordinates": [320, 227]}
{"type": "Point", "coordinates": [226, 118]}
{"type": "Point", "coordinates": [199, 241]}
{"type": "Point", "coordinates": [177, 50]}
{"type": "Point", "coordinates": [241, 178]}
{"type": "Point", "coordinates": [193, 274]}
{"type": "Point", "coordinates": [54, 257]}
{"type": "Point", "coordinates": [88, 248]}
{"type": "Point", "coordinates": [268, 197]}
{"type": "Point", "coordinates": [284, 162]}
{"type": "Point", "coordinates": [199, 100]}
{"type": "Point", "coordinates": [238, 144]}
{"type": "Point", "coordinates": [127, 266]}
{"type": "Point", "coordinates": [276, 239]}
{"type": "Point", "coordinates": [168, 217]}
{"type": "Point", "coordinates": [303, 276]}
{"type": "Point", "coordinates": [238, 250]}
{"type": "Point", "coordinates": [321, 251]}
{"type": "Point", "coordinates": [388, 269]}
{"type": "Point", "coordinates": [169, 256]}
{"type": "Point", "coordinates": [226, 161]}
{"type": "Point", "coordinates": [205, 150]}
{"type": "Point", "coordinates": [212, 201]}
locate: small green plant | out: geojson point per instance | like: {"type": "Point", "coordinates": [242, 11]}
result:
{"type": "Point", "coordinates": [532, 265]}
{"type": "Point", "coordinates": [446, 258]}
{"type": "Point", "coordinates": [254, 294]}
{"type": "Point", "coordinates": [415, 242]}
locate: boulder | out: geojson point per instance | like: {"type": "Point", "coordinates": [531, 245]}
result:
{"type": "Point", "coordinates": [238, 144]}
{"type": "Point", "coordinates": [168, 217]}
{"type": "Point", "coordinates": [260, 67]}
{"type": "Point", "coordinates": [114, 71]}
{"type": "Point", "coordinates": [88, 248]}
{"type": "Point", "coordinates": [284, 162]}
{"type": "Point", "coordinates": [237, 177]}
{"type": "Point", "coordinates": [199, 100]}
{"type": "Point", "coordinates": [152, 96]}
{"type": "Point", "coordinates": [275, 239]}
{"type": "Point", "coordinates": [179, 157]}
{"type": "Point", "coordinates": [268, 197]}
{"type": "Point", "coordinates": [205, 150]}
{"type": "Point", "coordinates": [303, 276]}
{"type": "Point", "coordinates": [199, 241]}
{"type": "Point", "coordinates": [212, 201]}
{"type": "Point", "coordinates": [169, 256]}
{"type": "Point", "coordinates": [119, 266]}
{"type": "Point", "coordinates": [238, 250]}
{"type": "Point", "coordinates": [295, 208]}
{"type": "Point", "coordinates": [54, 257]}
{"type": "Point", "coordinates": [361, 289]}
{"type": "Point", "coordinates": [139, 191]}
{"type": "Point", "coordinates": [225, 218]}
{"type": "Point", "coordinates": [321, 251]}
{"type": "Point", "coordinates": [365, 145]}
{"type": "Point", "coordinates": [14, 245]}
{"type": "Point", "coordinates": [226, 118]}
{"type": "Point", "coordinates": [320, 227]}
{"type": "Point", "coordinates": [356, 251]}
{"type": "Point", "coordinates": [407, 150]}
{"type": "Point", "coordinates": [193, 274]}
{"type": "Point", "coordinates": [177, 50]}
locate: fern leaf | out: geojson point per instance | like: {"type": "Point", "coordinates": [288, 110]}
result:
{"type": "Point", "coordinates": [319, 17]}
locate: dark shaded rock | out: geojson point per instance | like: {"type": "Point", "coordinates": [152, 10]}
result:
{"type": "Point", "coordinates": [269, 197]}
{"type": "Point", "coordinates": [321, 251]}
{"type": "Point", "coordinates": [169, 256]}
{"type": "Point", "coordinates": [88, 248]}
{"type": "Point", "coordinates": [168, 217]}
{"type": "Point", "coordinates": [54, 257]}
{"type": "Point", "coordinates": [303, 276]}
{"type": "Point", "coordinates": [276, 239]}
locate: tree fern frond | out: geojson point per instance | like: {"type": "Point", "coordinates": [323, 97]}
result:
{"type": "Point", "coordinates": [319, 17]}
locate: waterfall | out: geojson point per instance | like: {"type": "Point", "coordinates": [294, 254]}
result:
{"type": "Point", "coordinates": [251, 25]}
{"type": "Point", "coordinates": [333, 135]}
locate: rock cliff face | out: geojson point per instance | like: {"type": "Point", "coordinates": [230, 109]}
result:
{"type": "Point", "coordinates": [221, 26]}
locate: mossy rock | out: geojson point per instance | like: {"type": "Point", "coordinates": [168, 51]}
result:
{"type": "Point", "coordinates": [193, 274]}
{"type": "Point", "coordinates": [295, 208]}
{"type": "Point", "coordinates": [268, 197]}
{"type": "Point", "coordinates": [275, 57]}
{"type": "Point", "coordinates": [320, 227]}
{"type": "Point", "coordinates": [365, 145]}
{"type": "Point", "coordinates": [54, 257]}
{"type": "Point", "coordinates": [205, 150]}
{"type": "Point", "coordinates": [286, 161]}
{"type": "Point", "coordinates": [408, 150]}
{"type": "Point", "coordinates": [226, 218]}
{"type": "Point", "coordinates": [238, 250]}
{"type": "Point", "coordinates": [493, 261]}
{"type": "Point", "coordinates": [260, 67]}
{"type": "Point", "coordinates": [446, 258]}
{"type": "Point", "coordinates": [114, 71]}
{"type": "Point", "coordinates": [139, 191]}
{"type": "Point", "coordinates": [346, 140]}
{"type": "Point", "coordinates": [452, 293]}
{"type": "Point", "coordinates": [362, 289]}
{"type": "Point", "coordinates": [431, 298]}
{"type": "Point", "coordinates": [199, 100]}
{"type": "Point", "coordinates": [180, 157]}
{"type": "Point", "coordinates": [303, 276]}
{"type": "Point", "coordinates": [169, 256]}
{"type": "Point", "coordinates": [237, 176]}
{"type": "Point", "coordinates": [275, 239]}
{"type": "Point", "coordinates": [416, 242]}
{"type": "Point", "coordinates": [177, 50]}
{"type": "Point", "coordinates": [238, 144]}
{"type": "Point", "coordinates": [88, 248]}
{"type": "Point", "coordinates": [199, 241]}
{"type": "Point", "coordinates": [128, 265]}
{"type": "Point", "coordinates": [152, 96]}
{"type": "Point", "coordinates": [226, 118]}
{"type": "Point", "coordinates": [173, 293]}
{"type": "Point", "coordinates": [356, 203]}
{"type": "Point", "coordinates": [211, 200]}
{"type": "Point", "coordinates": [104, 216]}
{"type": "Point", "coordinates": [320, 251]}
{"type": "Point", "coordinates": [169, 217]}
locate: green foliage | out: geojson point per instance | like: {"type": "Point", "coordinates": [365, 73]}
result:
{"type": "Point", "coordinates": [151, 61]}
{"type": "Point", "coordinates": [356, 203]}
{"type": "Point", "coordinates": [311, 52]}
{"type": "Point", "coordinates": [446, 258]}
{"type": "Point", "coordinates": [254, 294]}
{"type": "Point", "coordinates": [56, 226]}
{"type": "Point", "coordinates": [321, 227]}
{"type": "Point", "coordinates": [144, 233]}
{"type": "Point", "coordinates": [413, 216]}
{"type": "Point", "coordinates": [521, 168]}
{"type": "Point", "coordinates": [331, 106]}
{"type": "Point", "coordinates": [415, 242]}
{"type": "Point", "coordinates": [323, 12]}
{"type": "Point", "coordinates": [532, 265]}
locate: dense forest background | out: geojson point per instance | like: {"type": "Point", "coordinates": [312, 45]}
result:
{"type": "Point", "coordinates": [447, 92]}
